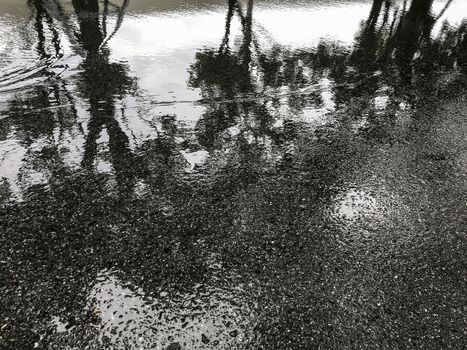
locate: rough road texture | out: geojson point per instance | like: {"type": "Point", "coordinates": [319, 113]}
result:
{"type": "Point", "coordinates": [318, 202]}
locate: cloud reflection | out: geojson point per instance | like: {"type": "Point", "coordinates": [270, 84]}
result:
{"type": "Point", "coordinates": [207, 318]}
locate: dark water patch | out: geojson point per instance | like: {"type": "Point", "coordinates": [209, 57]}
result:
{"type": "Point", "coordinates": [238, 174]}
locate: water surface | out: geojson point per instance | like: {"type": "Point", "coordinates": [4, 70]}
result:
{"type": "Point", "coordinates": [226, 174]}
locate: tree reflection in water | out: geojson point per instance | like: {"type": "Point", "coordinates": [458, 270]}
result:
{"type": "Point", "coordinates": [288, 133]}
{"type": "Point", "coordinates": [101, 83]}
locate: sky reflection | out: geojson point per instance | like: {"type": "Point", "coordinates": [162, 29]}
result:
{"type": "Point", "coordinates": [207, 318]}
{"type": "Point", "coordinates": [231, 174]}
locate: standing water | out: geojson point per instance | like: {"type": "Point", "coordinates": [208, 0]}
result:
{"type": "Point", "coordinates": [233, 174]}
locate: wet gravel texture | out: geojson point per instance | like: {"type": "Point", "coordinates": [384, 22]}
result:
{"type": "Point", "coordinates": [233, 191]}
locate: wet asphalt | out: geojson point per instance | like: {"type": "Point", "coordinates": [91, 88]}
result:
{"type": "Point", "coordinates": [238, 191]}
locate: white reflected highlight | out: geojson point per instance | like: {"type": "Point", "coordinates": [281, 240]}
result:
{"type": "Point", "coordinates": [356, 204]}
{"type": "Point", "coordinates": [204, 319]}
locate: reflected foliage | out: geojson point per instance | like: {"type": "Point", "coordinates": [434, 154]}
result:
{"type": "Point", "coordinates": [101, 83]}
{"type": "Point", "coordinates": [316, 186]}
